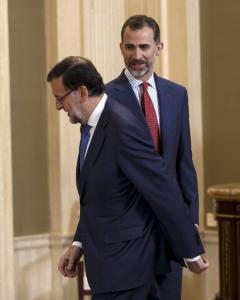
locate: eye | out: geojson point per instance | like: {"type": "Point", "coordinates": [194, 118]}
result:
{"type": "Point", "coordinates": [129, 46]}
{"type": "Point", "coordinates": [144, 46]}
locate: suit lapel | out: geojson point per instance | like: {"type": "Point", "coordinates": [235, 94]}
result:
{"type": "Point", "coordinates": [126, 96]}
{"type": "Point", "coordinates": [166, 109]}
{"type": "Point", "coordinates": [94, 148]}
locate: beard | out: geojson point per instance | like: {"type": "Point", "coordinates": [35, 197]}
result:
{"type": "Point", "coordinates": [73, 119]}
{"type": "Point", "coordinates": [138, 68]}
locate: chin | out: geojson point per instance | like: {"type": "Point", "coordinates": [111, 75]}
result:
{"type": "Point", "coordinates": [73, 120]}
{"type": "Point", "coordinates": [139, 73]}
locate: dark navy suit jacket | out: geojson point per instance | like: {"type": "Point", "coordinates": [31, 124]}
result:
{"type": "Point", "coordinates": [174, 127]}
{"type": "Point", "coordinates": [126, 192]}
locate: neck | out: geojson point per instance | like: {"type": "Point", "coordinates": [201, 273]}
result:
{"type": "Point", "coordinates": [92, 104]}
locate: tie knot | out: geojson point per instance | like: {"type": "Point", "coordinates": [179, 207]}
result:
{"type": "Point", "coordinates": [145, 86]}
{"type": "Point", "coordinates": [85, 129]}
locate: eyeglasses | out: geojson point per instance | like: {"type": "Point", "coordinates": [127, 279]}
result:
{"type": "Point", "coordinates": [60, 98]}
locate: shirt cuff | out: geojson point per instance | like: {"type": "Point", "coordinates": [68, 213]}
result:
{"type": "Point", "coordinates": [192, 259]}
{"type": "Point", "coordinates": [78, 244]}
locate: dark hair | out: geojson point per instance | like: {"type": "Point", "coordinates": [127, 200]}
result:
{"type": "Point", "coordinates": [138, 22]}
{"type": "Point", "coordinates": [77, 71]}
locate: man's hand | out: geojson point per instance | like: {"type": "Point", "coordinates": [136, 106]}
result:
{"type": "Point", "coordinates": [68, 263]}
{"type": "Point", "coordinates": [198, 266]}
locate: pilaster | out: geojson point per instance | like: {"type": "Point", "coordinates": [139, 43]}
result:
{"type": "Point", "coordinates": [6, 212]}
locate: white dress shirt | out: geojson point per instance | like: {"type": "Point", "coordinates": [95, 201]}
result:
{"type": "Point", "coordinates": [94, 118]}
{"type": "Point", "coordinates": [93, 121]}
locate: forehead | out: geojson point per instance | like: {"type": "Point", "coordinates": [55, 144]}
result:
{"type": "Point", "coordinates": [57, 85]}
{"type": "Point", "coordinates": [138, 36]}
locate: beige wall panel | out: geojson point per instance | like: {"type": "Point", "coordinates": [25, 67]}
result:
{"type": "Point", "coordinates": [164, 38]}
{"type": "Point", "coordinates": [102, 21]}
{"type": "Point", "coordinates": [63, 38]}
{"type": "Point", "coordinates": [33, 268]}
{"type": "Point", "coordinates": [6, 209]}
{"type": "Point", "coordinates": [68, 44]}
{"type": "Point", "coordinates": [220, 27]}
{"type": "Point", "coordinates": [53, 119]}
{"type": "Point", "coordinates": [36, 270]}
{"type": "Point", "coordinates": [177, 41]}
{"type": "Point", "coordinates": [29, 120]}
{"type": "Point", "coordinates": [63, 30]}
{"type": "Point", "coordinates": [68, 29]}
{"type": "Point", "coordinates": [151, 8]}
{"type": "Point", "coordinates": [195, 94]}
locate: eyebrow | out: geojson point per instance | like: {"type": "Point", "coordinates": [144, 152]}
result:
{"type": "Point", "coordinates": [143, 44]}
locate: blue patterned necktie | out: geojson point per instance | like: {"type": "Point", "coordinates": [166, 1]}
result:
{"type": "Point", "coordinates": [85, 135]}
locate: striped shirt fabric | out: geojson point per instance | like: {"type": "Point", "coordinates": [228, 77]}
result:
{"type": "Point", "coordinates": [152, 91]}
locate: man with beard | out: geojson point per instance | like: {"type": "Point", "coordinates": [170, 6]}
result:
{"type": "Point", "coordinates": [124, 187]}
{"type": "Point", "coordinates": [164, 106]}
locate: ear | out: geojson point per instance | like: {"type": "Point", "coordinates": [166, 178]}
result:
{"type": "Point", "coordinates": [83, 91]}
{"type": "Point", "coordinates": [121, 46]}
{"type": "Point", "coordinates": [159, 48]}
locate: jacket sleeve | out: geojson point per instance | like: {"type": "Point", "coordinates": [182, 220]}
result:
{"type": "Point", "coordinates": [187, 177]}
{"type": "Point", "coordinates": [147, 171]}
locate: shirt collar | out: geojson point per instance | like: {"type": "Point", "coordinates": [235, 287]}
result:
{"type": "Point", "coordinates": [136, 82]}
{"type": "Point", "coordinates": [95, 115]}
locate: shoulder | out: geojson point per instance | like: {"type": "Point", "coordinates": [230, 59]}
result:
{"type": "Point", "coordinates": [168, 84]}
{"type": "Point", "coordinates": [129, 135]}
{"type": "Point", "coordinates": [117, 82]}
{"type": "Point", "coordinates": [123, 121]}
{"type": "Point", "coordinates": [120, 114]}
{"type": "Point", "coordinates": [168, 89]}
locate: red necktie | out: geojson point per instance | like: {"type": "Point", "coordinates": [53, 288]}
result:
{"type": "Point", "coordinates": [150, 115]}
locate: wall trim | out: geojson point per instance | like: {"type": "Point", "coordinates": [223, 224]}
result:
{"type": "Point", "coordinates": [52, 240]}
{"type": "Point", "coordinates": [210, 237]}
{"type": "Point", "coordinates": [46, 240]}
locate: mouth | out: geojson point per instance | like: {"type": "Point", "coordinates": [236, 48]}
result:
{"type": "Point", "coordinates": [137, 64]}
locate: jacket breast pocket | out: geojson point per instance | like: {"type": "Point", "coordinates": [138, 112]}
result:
{"type": "Point", "coordinates": [124, 235]}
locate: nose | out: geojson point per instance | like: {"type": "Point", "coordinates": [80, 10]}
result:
{"type": "Point", "coordinates": [59, 105]}
{"type": "Point", "coordinates": [137, 54]}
